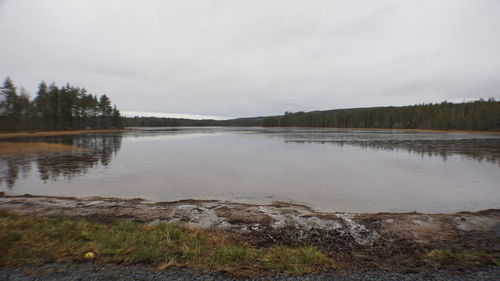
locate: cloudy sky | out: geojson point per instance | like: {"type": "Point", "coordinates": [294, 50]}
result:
{"type": "Point", "coordinates": [231, 58]}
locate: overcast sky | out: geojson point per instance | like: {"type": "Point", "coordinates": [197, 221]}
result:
{"type": "Point", "coordinates": [251, 58]}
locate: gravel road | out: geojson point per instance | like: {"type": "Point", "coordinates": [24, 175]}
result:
{"type": "Point", "coordinates": [89, 272]}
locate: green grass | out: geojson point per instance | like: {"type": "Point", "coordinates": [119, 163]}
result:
{"type": "Point", "coordinates": [464, 257]}
{"type": "Point", "coordinates": [294, 260]}
{"type": "Point", "coordinates": [38, 240]}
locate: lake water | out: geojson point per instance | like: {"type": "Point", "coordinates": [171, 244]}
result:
{"type": "Point", "coordinates": [327, 169]}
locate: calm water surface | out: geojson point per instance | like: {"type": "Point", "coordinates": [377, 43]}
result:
{"type": "Point", "coordinates": [328, 169]}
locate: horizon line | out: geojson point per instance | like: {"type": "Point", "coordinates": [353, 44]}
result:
{"type": "Point", "coordinates": [173, 115]}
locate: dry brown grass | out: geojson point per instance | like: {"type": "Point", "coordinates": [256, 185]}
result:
{"type": "Point", "coordinates": [57, 133]}
{"type": "Point", "coordinates": [17, 148]}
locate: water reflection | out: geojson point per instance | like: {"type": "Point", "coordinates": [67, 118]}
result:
{"type": "Point", "coordinates": [331, 170]}
{"type": "Point", "coordinates": [487, 150]}
{"type": "Point", "coordinates": [479, 147]}
{"type": "Point", "coordinates": [98, 150]}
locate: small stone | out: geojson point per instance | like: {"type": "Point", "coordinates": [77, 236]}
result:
{"type": "Point", "coordinates": [89, 255]}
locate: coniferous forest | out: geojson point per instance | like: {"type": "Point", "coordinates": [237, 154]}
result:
{"type": "Point", "coordinates": [481, 115]}
{"type": "Point", "coordinates": [55, 108]}
{"type": "Point", "coordinates": [69, 108]}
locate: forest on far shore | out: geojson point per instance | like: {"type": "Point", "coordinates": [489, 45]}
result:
{"type": "Point", "coordinates": [481, 115]}
{"type": "Point", "coordinates": [71, 108]}
{"type": "Point", "coordinates": [55, 108]}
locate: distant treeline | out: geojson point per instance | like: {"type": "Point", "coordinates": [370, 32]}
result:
{"type": "Point", "coordinates": [476, 115]}
{"type": "Point", "coordinates": [166, 122]}
{"type": "Point", "coordinates": [55, 108]}
{"type": "Point", "coordinates": [179, 122]}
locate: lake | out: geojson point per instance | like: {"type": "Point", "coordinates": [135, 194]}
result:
{"type": "Point", "coordinates": [328, 169]}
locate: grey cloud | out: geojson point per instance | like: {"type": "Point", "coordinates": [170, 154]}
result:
{"type": "Point", "coordinates": [247, 58]}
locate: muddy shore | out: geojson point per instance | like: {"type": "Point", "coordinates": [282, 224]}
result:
{"type": "Point", "coordinates": [396, 242]}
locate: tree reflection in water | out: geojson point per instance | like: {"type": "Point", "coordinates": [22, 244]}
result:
{"type": "Point", "coordinates": [98, 150]}
{"type": "Point", "coordinates": [487, 150]}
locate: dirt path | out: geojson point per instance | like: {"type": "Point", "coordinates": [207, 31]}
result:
{"type": "Point", "coordinates": [127, 273]}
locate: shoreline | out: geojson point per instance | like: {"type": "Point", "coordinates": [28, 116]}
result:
{"type": "Point", "coordinates": [7, 135]}
{"type": "Point", "coordinates": [340, 128]}
{"type": "Point", "coordinates": [392, 242]}
{"type": "Point", "coordinates": [396, 129]}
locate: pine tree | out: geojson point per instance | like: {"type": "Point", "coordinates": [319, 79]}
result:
{"type": "Point", "coordinates": [54, 105]}
{"type": "Point", "coordinates": [11, 110]}
{"type": "Point", "coordinates": [105, 111]}
{"type": "Point", "coordinates": [42, 105]}
{"type": "Point", "coordinates": [117, 119]}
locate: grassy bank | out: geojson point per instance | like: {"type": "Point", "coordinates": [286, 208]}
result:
{"type": "Point", "coordinates": [38, 240]}
{"type": "Point", "coordinates": [5, 135]}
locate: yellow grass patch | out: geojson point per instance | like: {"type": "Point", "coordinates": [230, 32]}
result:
{"type": "Point", "coordinates": [16, 148]}
{"type": "Point", "coordinates": [57, 133]}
